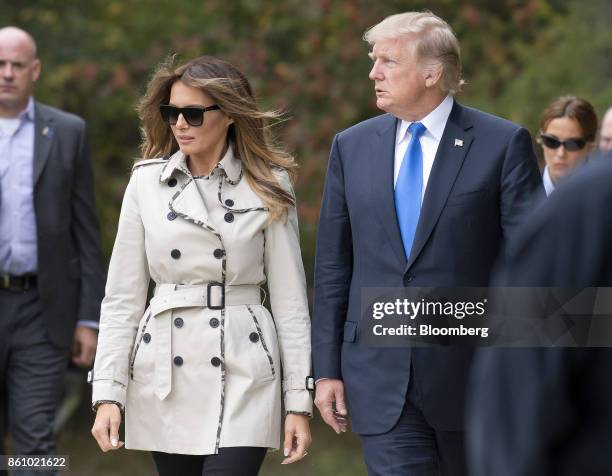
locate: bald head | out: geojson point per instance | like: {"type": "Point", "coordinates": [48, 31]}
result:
{"type": "Point", "coordinates": [19, 37]}
{"type": "Point", "coordinates": [19, 70]}
{"type": "Point", "coordinates": [605, 134]}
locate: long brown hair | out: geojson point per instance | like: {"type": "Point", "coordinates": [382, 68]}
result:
{"type": "Point", "coordinates": [250, 132]}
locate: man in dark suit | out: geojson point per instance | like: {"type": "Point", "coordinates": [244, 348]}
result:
{"type": "Point", "coordinates": [425, 195]}
{"type": "Point", "coordinates": [50, 266]}
{"type": "Point", "coordinates": [545, 412]}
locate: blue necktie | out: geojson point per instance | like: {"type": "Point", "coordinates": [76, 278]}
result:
{"type": "Point", "coordinates": [409, 187]}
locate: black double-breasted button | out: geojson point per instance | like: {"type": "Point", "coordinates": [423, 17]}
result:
{"type": "Point", "coordinates": [229, 217]}
{"type": "Point", "coordinates": [178, 322]}
{"type": "Point", "coordinates": [172, 182]}
{"type": "Point", "coordinates": [253, 336]}
{"type": "Point", "coordinates": [215, 361]}
{"type": "Point", "coordinates": [214, 322]}
{"type": "Point", "coordinates": [171, 216]}
{"type": "Point", "coordinates": [178, 361]}
{"type": "Point", "coordinates": [218, 253]}
{"type": "Point", "coordinates": [146, 338]}
{"type": "Point", "coordinates": [409, 278]}
{"type": "Point", "coordinates": [229, 202]}
{"type": "Point", "coordinates": [176, 254]}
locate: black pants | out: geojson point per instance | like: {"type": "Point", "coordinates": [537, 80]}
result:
{"type": "Point", "coordinates": [238, 461]}
{"type": "Point", "coordinates": [32, 373]}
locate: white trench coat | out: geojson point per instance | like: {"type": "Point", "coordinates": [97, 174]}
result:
{"type": "Point", "coordinates": [195, 378]}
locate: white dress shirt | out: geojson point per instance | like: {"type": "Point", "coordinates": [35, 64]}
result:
{"type": "Point", "coordinates": [435, 122]}
{"type": "Point", "coordinates": [549, 186]}
{"type": "Point", "coordinates": [18, 239]}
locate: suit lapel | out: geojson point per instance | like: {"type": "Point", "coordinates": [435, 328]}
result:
{"type": "Point", "coordinates": [454, 146]}
{"type": "Point", "coordinates": [383, 148]}
{"type": "Point", "coordinates": [44, 132]}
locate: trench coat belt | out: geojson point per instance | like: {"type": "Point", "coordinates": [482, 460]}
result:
{"type": "Point", "coordinates": [169, 296]}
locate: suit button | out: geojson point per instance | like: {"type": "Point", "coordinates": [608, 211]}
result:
{"type": "Point", "coordinates": [229, 217]}
{"type": "Point", "coordinates": [172, 182]}
{"type": "Point", "coordinates": [214, 322]}
{"type": "Point", "coordinates": [171, 216]}
{"type": "Point", "coordinates": [253, 336]}
{"type": "Point", "coordinates": [409, 278]}
{"type": "Point", "coordinates": [176, 254]}
{"type": "Point", "coordinates": [218, 253]}
{"type": "Point", "coordinates": [178, 361]}
{"type": "Point", "coordinates": [229, 202]}
{"type": "Point", "coordinates": [146, 338]}
{"type": "Point", "coordinates": [178, 322]}
{"type": "Point", "coordinates": [216, 361]}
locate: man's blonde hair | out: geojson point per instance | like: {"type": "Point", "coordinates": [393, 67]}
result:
{"type": "Point", "coordinates": [432, 41]}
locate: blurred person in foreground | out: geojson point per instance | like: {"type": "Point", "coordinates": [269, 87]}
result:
{"type": "Point", "coordinates": [424, 195]}
{"type": "Point", "coordinates": [547, 412]}
{"type": "Point", "coordinates": [209, 216]}
{"type": "Point", "coordinates": [605, 133]}
{"type": "Point", "coordinates": [51, 278]}
{"type": "Point", "coordinates": [568, 128]}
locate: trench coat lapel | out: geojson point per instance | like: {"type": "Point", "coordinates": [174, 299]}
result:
{"type": "Point", "coordinates": [187, 202]}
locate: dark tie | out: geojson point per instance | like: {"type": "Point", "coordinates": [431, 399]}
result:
{"type": "Point", "coordinates": [409, 187]}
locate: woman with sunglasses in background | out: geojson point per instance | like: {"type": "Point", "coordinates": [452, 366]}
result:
{"type": "Point", "coordinates": [568, 127]}
{"type": "Point", "coordinates": [209, 216]}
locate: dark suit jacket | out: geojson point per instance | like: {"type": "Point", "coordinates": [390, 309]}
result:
{"type": "Point", "coordinates": [70, 275]}
{"type": "Point", "coordinates": [545, 412]}
{"type": "Point", "coordinates": [475, 197]}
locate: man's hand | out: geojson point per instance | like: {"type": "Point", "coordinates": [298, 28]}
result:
{"type": "Point", "coordinates": [84, 346]}
{"type": "Point", "coordinates": [329, 392]}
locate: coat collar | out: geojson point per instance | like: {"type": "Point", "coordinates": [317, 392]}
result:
{"type": "Point", "coordinates": [229, 164]}
{"type": "Point", "coordinates": [177, 161]}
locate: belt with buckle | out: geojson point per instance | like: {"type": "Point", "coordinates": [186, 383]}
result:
{"type": "Point", "coordinates": [169, 297]}
{"type": "Point", "coordinates": [17, 283]}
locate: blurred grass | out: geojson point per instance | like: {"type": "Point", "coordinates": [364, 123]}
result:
{"type": "Point", "coordinates": [329, 454]}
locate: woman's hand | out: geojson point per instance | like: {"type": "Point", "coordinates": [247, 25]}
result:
{"type": "Point", "coordinates": [297, 437]}
{"type": "Point", "coordinates": [106, 427]}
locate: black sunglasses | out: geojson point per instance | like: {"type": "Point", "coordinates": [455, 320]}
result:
{"type": "Point", "coordinates": [194, 115]}
{"type": "Point", "coordinates": [569, 144]}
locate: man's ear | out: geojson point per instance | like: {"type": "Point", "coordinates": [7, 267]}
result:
{"type": "Point", "coordinates": [35, 70]}
{"type": "Point", "coordinates": [433, 76]}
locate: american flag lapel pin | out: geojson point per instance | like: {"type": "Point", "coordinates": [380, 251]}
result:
{"type": "Point", "coordinates": [458, 143]}
{"type": "Point", "coordinates": [47, 132]}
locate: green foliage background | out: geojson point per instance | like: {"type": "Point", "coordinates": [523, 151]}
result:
{"type": "Point", "coordinates": [306, 57]}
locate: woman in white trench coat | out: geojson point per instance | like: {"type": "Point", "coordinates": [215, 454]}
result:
{"type": "Point", "coordinates": [199, 373]}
